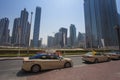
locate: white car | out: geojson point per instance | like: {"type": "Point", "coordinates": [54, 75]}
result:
{"type": "Point", "coordinates": [44, 62]}
{"type": "Point", "coordinates": [95, 58]}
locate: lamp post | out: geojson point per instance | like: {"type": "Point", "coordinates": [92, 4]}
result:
{"type": "Point", "coordinates": [118, 34]}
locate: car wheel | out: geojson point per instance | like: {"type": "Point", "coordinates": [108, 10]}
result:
{"type": "Point", "coordinates": [67, 65]}
{"type": "Point", "coordinates": [108, 59]}
{"type": "Point", "coordinates": [119, 57]}
{"type": "Point", "coordinates": [35, 68]}
{"type": "Point", "coordinates": [96, 61]}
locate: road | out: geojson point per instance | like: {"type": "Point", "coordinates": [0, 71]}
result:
{"type": "Point", "coordinates": [11, 69]}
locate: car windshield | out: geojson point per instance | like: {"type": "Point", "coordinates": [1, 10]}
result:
{"type": "Point", "coordinates": [89, 53]}
{"type": "Point", "coordinates": [37, 56]}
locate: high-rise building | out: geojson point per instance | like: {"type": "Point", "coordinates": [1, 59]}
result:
{"type": "Point", "coordinates": [72, 35]}
{"type": "Point", "coordinates": [80, 37]}
{"type": "Point", "coordinates": [4, 31]}
{"type": "Point", "coordinates": [50, 42]}
{"type": "Point", "coordinates": [28, 34]}
{"type": "Point", "coordinates": [24, 28]}
{"type": "Point", "coordinates": [100, 19]}
{"type": "Point", "coordinates": [63, 31]}
{"type": "Point", "coordinates": [119, 18]}
{"type": "Point", "coordinates": [58, 39]}
{"type": "Point", "coordinates": [81, 40]}
{"type": "Point", "coordinates": [36, 27]}
{"type": "Point", "coordinates": [40, 43]}
{"type": "Point", "coordinates": [15, 32]}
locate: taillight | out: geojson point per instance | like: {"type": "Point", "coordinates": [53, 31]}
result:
{"type": "Point", "coordinates": [113, 55]}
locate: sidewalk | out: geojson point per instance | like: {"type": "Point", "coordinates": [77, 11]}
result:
{"type": "Point", "coordinates": [100, 71]}
{"type": "Point", "coordinates": [73, 55]}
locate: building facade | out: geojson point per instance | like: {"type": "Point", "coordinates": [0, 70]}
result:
{"type": "Point", "coordinates": [50, 42]}
{"type": "Point", "coordinates": [15, 32]}
{"type": "Point", "coordinates": [23, 29]}
{"type": "Point", "coordinates": [4, 31]}
{"type": "Point", "coordinates": [100, 19]}
{"type": "Point", "coordinates": [36, 27]}
{"type": "Point", "coordinates": [58, 40]}
{"type": "Point", "coordinates": [63, 31]}
{"type": "Point", "coordinates": [81, 40]}
{"type": "Point", "coordinates": [72, 35]}
{"type": "Point", "coordinates": [119, 18]}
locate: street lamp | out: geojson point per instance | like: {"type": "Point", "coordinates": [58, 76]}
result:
{"type": "Point", "coordinates": [118, 34]}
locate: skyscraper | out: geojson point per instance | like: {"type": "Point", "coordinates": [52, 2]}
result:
{"type": "Point", "coordinates": [15, 32]}
{"type": "Point", "coordinates": [4, 31]}
{"type": "Point", "coordinates": [81, 40]}
{"type": "Point", "coordinates": [50, 42]}
{"type": "Point", "coordinates": [72, 35]}
{"type": "Point", "coordinates": [80, 37]}
{"type": "Point", "coordinates": [23, 28]}
{"type": "Point", "coordinates": [100, 19]}
{"type": "Point", "coordinates": [119, 19]}
{"type": "Point", "coordinates": [36, 27]}
{"type": "Point", "coordinates": [63, 31]}
{"type": "Point", "coordinates": [58, 39]}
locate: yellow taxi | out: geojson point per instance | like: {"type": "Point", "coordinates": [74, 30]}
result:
{"type": "Point", "coordinates": [114, 55]}
{"type": "Point", "coordinates": [95, 57]}
{"type": "Point", "coordinates": [45, 61]}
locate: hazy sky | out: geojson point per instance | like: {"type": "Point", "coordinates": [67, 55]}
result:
{"type": "Point", "coordinates": [55, 14]}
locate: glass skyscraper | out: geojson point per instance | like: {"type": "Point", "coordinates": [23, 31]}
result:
{"type": "Point", "coordinates": [4, 31]}
{"type": "Point", "coordinates": [100, 19]}
{"type": "Point", "coordinates": [72, 35]}
{"type": "Point", "coordinates": [63, 42]}
{"type": "Point", "coordinates": [15, 32]}
{"type": "Point", "coordinates": [36, 27]}
{"type": "Point", "coordinates": [23, 28]}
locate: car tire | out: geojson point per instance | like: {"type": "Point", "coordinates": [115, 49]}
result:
{"type": "Point", "coordinates": [119, 57]}
{"type": "Point", "coordinates": [108, 59]}
{"type": "Point", "coordinates": [35, 68]}
{"type": "Point", "coordinates": [96, 61]}
{"type": "Point", "coordinates": [67, 65]}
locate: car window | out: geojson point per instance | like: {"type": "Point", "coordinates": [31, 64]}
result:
{"type": "Point", "coordinates": [43, 57]}
{"type": "Point", "coordinates": [98, 54]}
{"type": "Point", "coordinates": [53, 57]}
{"type": "Point", "coordinates": [89, 53]}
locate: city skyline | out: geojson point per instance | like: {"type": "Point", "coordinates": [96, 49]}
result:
{"type": "Point", "coordinates": [55, 14]}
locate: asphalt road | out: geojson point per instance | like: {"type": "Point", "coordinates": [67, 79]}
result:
{"type": "Point", "coordinates": [11, 69]}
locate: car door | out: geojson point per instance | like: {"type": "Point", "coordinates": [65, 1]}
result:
{"type": "Point", "coordinates": [55, 62]}
{"type": "Point", "coordinates": [100, 57]}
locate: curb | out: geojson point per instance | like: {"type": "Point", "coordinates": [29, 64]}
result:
{"type": "Point", "coordinates": [73, 55]}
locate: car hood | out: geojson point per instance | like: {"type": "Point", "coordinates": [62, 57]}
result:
{"type": "Point", "coordinates": [68, 59]}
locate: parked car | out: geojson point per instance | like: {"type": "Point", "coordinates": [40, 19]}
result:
{"type": "Point", "coordinates": [45, 61]}
{"type": "Point", "coordinates": [95, 57]}
{"type": "Point", "coordinates": [114, 55]}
